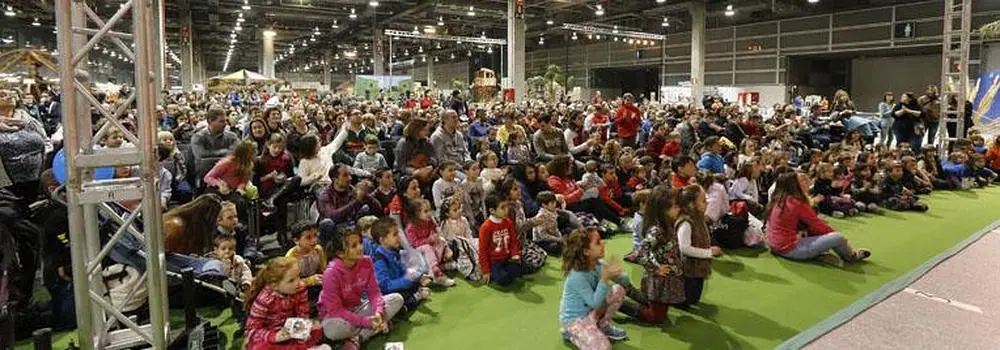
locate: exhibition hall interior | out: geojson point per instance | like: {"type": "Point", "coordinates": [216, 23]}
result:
{"type": "Point", "coordinates": [498, 174]}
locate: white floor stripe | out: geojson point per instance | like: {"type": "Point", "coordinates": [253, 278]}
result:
{"type": "Point", "coordinates": [936, 298]}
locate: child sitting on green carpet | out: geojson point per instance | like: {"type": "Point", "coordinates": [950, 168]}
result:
{"type": "Point", "coordinates": [499, 248]}
{"type": "Point", "coordinates": [592, 293]}
{"type": "Point", "coordinates": [308, 253]}
{"type": "Point", "coordinates": [275, 296]}
{"type": "Point", "coordinates": [391, 273]}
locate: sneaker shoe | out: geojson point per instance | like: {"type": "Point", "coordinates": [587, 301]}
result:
{"type": "Point", "coordinates": [874, 208]}
{"type": "Point", "coordinates": [862, 254]}
{"type": "Point", "coordinates": [838, 214]}
{"type": "Point", "coordinates": [424, 292]}
{"type": "Point", "coordinates": [859, 206]}
{"type": "Point", "coordinates": [444, 281]}
{"type": "Point", "coordinates": [852, 212]}
{"type": "Point", "coordinates": [613, 332]}
{"type": "Point", "coordinates": [565, 335]}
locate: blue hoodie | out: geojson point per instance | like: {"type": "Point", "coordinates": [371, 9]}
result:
{"type": "Point", "coordinates": [390, 271]}
{"type": "Point", "coordinates": [712, 162]}
{"type": "Point", "coordinates": [958, 170]}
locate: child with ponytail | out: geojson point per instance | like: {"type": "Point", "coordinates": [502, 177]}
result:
{"type": "Point", "coordinates": [695, 243]}
{"type": "Point", "coordinates": [592, 293]}
{"type": "Point", "coordinates": [276, 295]}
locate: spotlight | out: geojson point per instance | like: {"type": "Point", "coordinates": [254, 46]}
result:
{"type": "Point", "coordinates": [246, 4]}
{"type": "Point", "coordinates": [10, 12]}
{"type": "Point", "coordinates": [472, 11]}
{"type": "Point", "coordinates": [353, 14]}
{"type": "Point", "coordinates": [489, 49]}
{"type": "Point", "coordinates": [574, 36]}
{"type": "Point", "coordinates": [550, 22]}
{"type": "Point", "coordinates": [599, 11]}
{"type": "Point", "coordinates": [335, 25]}
{"type": "Point", "coordinates": [440, 21]}
{"type": "Point", "coordinates": [813, 1]}
{"type": "Point", "coordinates": [373, 3]}
{"type": "Point", "coordinates": [729, 11]}
{"type": "Point", "coordinates": [435, 58]}
{"type": "Point", "coordinates": [666, 21]}
{"type": "Point", "coordinates": [36, 23]}
{"type": "Point", "coordinates": [316, 31]}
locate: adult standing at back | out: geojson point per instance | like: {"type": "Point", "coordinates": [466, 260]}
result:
{"type": "Point", "coordinates": [212, 142]}
{"type": "Point", "coordinates": [449, 144]}
{"type": "Point", "coordinates": [627, 119]}
{"type": "Point", "coordinates": [908, 115]}
{"type": "Point", "coordinates": [456, 104]}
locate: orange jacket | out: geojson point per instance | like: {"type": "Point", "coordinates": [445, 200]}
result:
{"type": "Point", "coordinates": [993, 157]}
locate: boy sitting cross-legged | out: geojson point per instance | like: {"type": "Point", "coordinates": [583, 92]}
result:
{"type": "Point", "coordinates": [391, 273]}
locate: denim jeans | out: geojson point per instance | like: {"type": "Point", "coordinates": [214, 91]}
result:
{"type": "Point", "coordinates": [813, 246]}
{"type": "Point", "coordinates": [887, 136]}
{"type": "Point", "coordinates": [202, 266]}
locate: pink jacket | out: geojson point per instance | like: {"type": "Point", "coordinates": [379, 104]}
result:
{"type": "Point", "coordinates": [342, 288]}
{"type": "Point", "coordinates": [783, 224]}
{"type": "Point", "coordinates": [419, 233]}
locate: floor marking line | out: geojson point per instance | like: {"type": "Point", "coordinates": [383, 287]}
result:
{"type": "Point", "coordinates": [943, 300]}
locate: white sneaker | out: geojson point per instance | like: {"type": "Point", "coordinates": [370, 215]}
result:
{"type": "Point", "coordinates": [423, 293]}
{"type": "Point", "coordinates": [444, 281]}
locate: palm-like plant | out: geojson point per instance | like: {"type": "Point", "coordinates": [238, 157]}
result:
{"type": "Point", "coordinates": [990, 30]}
{"type": "Point", "coordinates": [556, 80]}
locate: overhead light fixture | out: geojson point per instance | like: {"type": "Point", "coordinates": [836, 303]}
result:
{"type": "Point", "coordinates": [615, 30]}
{"type": "Point", "coordinates": [373, 3]}
{"type": "Point", "coordinates": [238, 28]}
{"type": "Point", "coordinates": [36, 23]}
{"type": "Point", "coordinates": [599, 11]}
{"type": "Point", "coordinates": [406, 52]}
{"type": "Point", "coordinates": [316, 31]}
{"type": "Point", "coordinates": [550, 22]}
{"type": "Point", "coordinates": [312, 39]}
{"type": "Point", "coordinates": [483, 35]}
{"type": "Point", "coordinates": [598, 37]}
{"type": "Point", "coordinates": [813, 1]}
{"type": "Point", "coordinates": [420, 49]}
{"type": "Point", "coordinates": [472, 11]}
{"type": "Point", "coordinates": [246, 5]}
{"type": "Point", "coordinates": [416, 30]}
{"type": "Point", "coordinates": [232, 35]}
{"type": "Point", "coordinates": [437, 46]}
{"type": "Point", "coordinates": [729, 11]}
{"type": "Point", "coordinates": [660, 1]}
{"type": "Point", "coordinates": [574, 36]}
{"type": "Point", "coordinates": [440, 20]}
{"type": "Point", "coordinates": [423, 59]}
{"type": "Point", "coordinates": [335, 25]}
{"type": "Point", "coordinates": [435, 58]}
{"type": "Point", "coordinates": [353, 15]}
{"type": "Point", "coordinates": [430, 30]}
{"type": "Point", "coordinates": [452, 55]}
{"type": "Point", "coordinates": [489, 49]}
{"type": "Point", "coordinates": [468, 53]}
{"type": "Point", "coordinates": [10, 12]}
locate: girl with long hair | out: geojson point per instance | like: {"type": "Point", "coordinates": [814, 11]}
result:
{"type": "Point", "coordinates": [276, 295]}
{"type": "Point", "coordinates": [234, 172]}
{"type": "Point", "coordinates": [189, 229]}
{"type": "Point", "coordinates": [791, 208]}
{"type": "Point", "coordinates": [592, 292]}
{"type": "Point", "coordinates": [662, 278]}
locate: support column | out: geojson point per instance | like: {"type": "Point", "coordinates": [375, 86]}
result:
{"type": "Point", "coordinates": [198, 73]}
{"type": "Point", "coordinates": [515, 50]}
{"type": "Point", "coordinates": [187, 46]}
{"type": "Point", "coordinates": [267, 53]}
{"type": "Point", "coordinates": [327, 58]}
{"type": "Point", "coordinates": [697, 50]}
{"type": "Point", "coordinates": [378, 52]}
{"type": "Point", "coordinates": [430, 73]}
{"type": "Point", "coordinates": [159, 56]}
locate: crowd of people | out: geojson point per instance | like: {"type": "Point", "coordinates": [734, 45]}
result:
{"type": "Point", "coordinates": [374, 202]}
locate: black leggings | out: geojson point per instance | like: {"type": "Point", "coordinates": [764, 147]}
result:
{"type": "Point", "coordinates": [596, 207]}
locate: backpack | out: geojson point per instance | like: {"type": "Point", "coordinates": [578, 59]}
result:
{"type": "Point", "coordinates": [466, 258]}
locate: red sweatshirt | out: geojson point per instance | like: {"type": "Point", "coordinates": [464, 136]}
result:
{"type": "Point", "coordinates": [608, 193]}
{"type": "Point", "coordinates": [497, 242]}
{"type": "Point", "coordinates": [566, 187]}
{"type": "Point", "coordinates": [671, 149]}
{"type": "Point", "coordinates": [654, 145]}
{"type": "Point", "coordinates": [783, 224]}
{"type": "Point", "coordinates": [628, 117]}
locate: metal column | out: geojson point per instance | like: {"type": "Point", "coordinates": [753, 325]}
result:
{"type": "Point", "coordinates": [87, 197]}
{"type": "Point", "coordinates": [954, 70]}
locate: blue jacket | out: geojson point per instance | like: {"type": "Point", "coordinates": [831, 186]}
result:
{"type": "Point", "coordinates": [957, 170]}
{"type": "Point", "coordinates": [712, 162]}
{"type": "Point", "coordinates": [390, 271]}
{"type": "Point", "coordinates": [368, 246]}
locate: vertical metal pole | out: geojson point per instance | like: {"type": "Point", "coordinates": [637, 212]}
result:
{"type": "Point", "coordinates": [159, 54]}
{"type": "Point", "coordinates": [147, 43]}
{"type": "Point", "coordinates": [733, 78]}
{"type": "Point", "coordinates": [663, 69]}
{"type": "Point", "coordinates": [64, 23]}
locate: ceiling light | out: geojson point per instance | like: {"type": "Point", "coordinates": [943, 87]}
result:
{"type": "Point", "coordinates": [353, 14]}
{"type": "Point", "coordinates": [238, 28]}
{"type": "Point", "coordinates": [813, 1]}
{"type": "Point", "coordinates": [421, 49]}
{"type": "Point", "coordinates": [416, 30]}
{"type": "Point", "coordinates": [599, 11]}
{"type": "Point", "coordinates": [430, 30]}
{"type": "Point", "coordinates": [550, 22]}
{"type": "Point", "coordinates": [472, 11]}
{"type": "Point", "coordinates": [435, 58]}
{"type": "Point", "coordinates": [232, 35]}
{"type": "Point", "coordinates": [312, 39]}
{"type": "Point", "coordinates": [574, 36]}
{"type": "Point", "coordinates": [270, 33]}
{"type": "Point", "coordinates": [483, 35]}
{"type": "Point", "coordinates": [373, 3]}
{"type": "Point", "coordinates": [406, 52]}
{"type": "Point", "coordinates": [615, 30]}
{"type": "Point", "coordinates": [305, 44]}
{"type": "Point", "coordinates": [729, 11]}
{"type": "Point", "coordinates": [316, 32]}
{"type": "Point", "coordinates": [452, 55]}
{"type": "Point", "coordinates": [590, 36]}
{"type": "Point", "coordinates": [440, 20]}
{"type": "Point", "coordinates": [437, 46]}
{"type": "Point", "coordinates": [469, 53]}
{"type": "Point", "coordinates": [335, 25]}
{"type": "Point", "coordinates": [423, 59]}
{"type": "Point", "coordinates": [598, 37]}
{"type": "Point", "coordinates": [36, 23]}
{"type": "Point", "coordinates": [10, 12]}
{"type": "Point", "coordinates": [666, 21]}
{"type": "Point", "coordinates": [660, 1]}
{"type": "Point", "coordinates": [246, 4]}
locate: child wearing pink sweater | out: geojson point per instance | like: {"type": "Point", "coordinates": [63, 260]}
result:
{"type": "Point", "coordinates": [345, 316]}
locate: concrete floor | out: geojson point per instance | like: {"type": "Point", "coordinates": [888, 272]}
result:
{"type": "Point", "coordinates": [955, 306]}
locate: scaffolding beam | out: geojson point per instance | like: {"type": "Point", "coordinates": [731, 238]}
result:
{"type": "Point", "coordinates": [955, 47]}
{"type": "Point", "coordinates": [86, 197]}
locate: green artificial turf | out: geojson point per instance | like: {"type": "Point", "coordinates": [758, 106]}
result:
{"type": "Point", "coordinates": [752, 300]}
